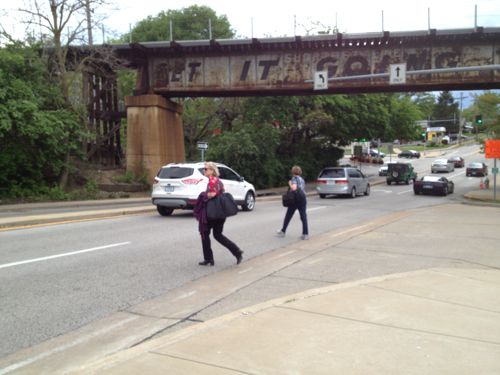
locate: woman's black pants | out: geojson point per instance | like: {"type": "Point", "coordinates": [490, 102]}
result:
{"type": "Point", "coordinates": [217, 226]}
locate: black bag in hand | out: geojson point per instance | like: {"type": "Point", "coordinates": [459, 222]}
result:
{"type": "Point", "coordinates": [289, 199]}
{"type": "Point", "coordinates": [221, 206]}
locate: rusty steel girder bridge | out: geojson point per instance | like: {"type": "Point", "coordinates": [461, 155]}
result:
{"type": "Point", "coordinates": [356, 63]}
{"type": "Point", "coordinates": [434, 60]}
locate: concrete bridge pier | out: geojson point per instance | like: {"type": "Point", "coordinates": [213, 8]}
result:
{"type": "Point", "coordinates": [155, 135]}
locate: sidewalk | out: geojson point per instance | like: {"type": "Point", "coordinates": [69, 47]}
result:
{"type": "Point", "coordinates": [435, 320]}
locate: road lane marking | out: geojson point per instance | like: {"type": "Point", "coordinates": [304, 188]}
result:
{"type": "Point", "coordinates": [245, 270]}
{"type": "Point", "coordinates": [62, 348]}
{"type": "Point", "coordinates": [185, 295]}
{"type": "Point", "coordinates": [34, 260]}
{"type": "Point", "coordinates": [405, 192]}
{"type": "Point", "coordinates": [382, 190]}
{"type": "Point", "coordinates": [316, 208]}
{"type": "Point", "coordinates": [315, 261]}
{"type": "Point", "coordinates": [285, 254]}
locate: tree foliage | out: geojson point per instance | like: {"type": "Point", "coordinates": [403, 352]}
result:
{"type": "Point", "coordinates": [34, 124]}
{"type": "Point", "coordinates": [446, 112]}
{"type": "Point", "coordinates": [191, 23]}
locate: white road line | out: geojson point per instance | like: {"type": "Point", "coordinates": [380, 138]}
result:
{"type": "Point", "coordinates": [245, 270]}
{"type": "Point", "coordinates": [456, 175]}
{"type": "Point", "coordinates": [62, 348]}
{"type": "Point", "coordinates": [405, 192]}
{"type": "Point", "coordinates": [284, 254]}
{"type": "Point", "coordinates": [315, 261]}
{"type": "Point", "coordinates": [382, 190]}
{"type": "Point", "coordinates": [185, 295]}
{"type": "Point", "coordinates": [34, 260]}
{"type": "Point", "coordinates": [316, 208]}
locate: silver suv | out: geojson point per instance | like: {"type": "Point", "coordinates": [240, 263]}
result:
{"type": "Point", "coordinates": [178, 185]}
{"type": "Point", "coordinates": [344, 181]}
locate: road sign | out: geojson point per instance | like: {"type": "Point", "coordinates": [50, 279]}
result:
{"type": "Point", "coordinates": [397, 75]}
{"type": "Point", "coordinates": [202, 146]}
{"type": "Point", "coordinates": [494, 170]}
{"type": "Point", "coordinates": [492, 148]}
{"type": "Point", "coordinates": [321, 80]}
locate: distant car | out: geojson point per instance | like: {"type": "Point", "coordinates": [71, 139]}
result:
{"type": "Point", "coordinates": [442, 165]}
{"type": "Point", "coordinates": [178, 185]}
{"type": "Point", "coordinates": [433, 185]}
{"type": "Point", "coordinates": [409, 154]}
{"type": "Point", "coordinates": [376, 153]}
{"type": "Point", "coordinates": [476, 169]}
{"type": "Point", "coordinates": [382, 171]}
{"type": "Point", "coordinates": [342, 181]}
{"type": "Point", "coordinates": [400, 172]}
{"type": "Point", "coordinates": [458, 161]}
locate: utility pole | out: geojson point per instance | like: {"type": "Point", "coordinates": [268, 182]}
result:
{"type": "Point", "coordinates": [89, 21]}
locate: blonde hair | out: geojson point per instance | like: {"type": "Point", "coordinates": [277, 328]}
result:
{"type": "Point", "coordinates": [296, 170]}
{"type": "Point", "coordinates": [211, 165]}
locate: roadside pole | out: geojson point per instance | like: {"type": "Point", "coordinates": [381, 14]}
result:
{"type": "Point", "coordinates": [202, 146]}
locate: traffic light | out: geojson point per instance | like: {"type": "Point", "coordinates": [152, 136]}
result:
{"type": "Point", "coordinates": [423, 134]}
{"type": "Point", "coordinates": [479, 120]}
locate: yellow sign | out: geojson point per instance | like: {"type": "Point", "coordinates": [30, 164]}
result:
{"type": "Point", "coordinates": [492, 148]}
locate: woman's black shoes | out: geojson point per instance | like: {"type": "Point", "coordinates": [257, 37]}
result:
{"type": "Point", "coordinates": [239, 257]}
{"type": "Point", "coordinates": [206, 263]}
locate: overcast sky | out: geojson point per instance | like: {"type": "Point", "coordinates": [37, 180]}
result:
{"type": "Point", "coordinates": [295, 17]}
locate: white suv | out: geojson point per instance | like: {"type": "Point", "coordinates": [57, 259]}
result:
{"type": "Point", "coordinates": [178, 185]}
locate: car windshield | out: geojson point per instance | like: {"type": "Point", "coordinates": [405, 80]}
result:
{"type": "Point", "coordinates": [475, 165]}
{"type": "Point", "coordinates": [431, 178]}
{"type": "Point", "coordinates": [332, 173]}
{"type": "Point", "coordinates": [398, 167]}
{"type": "Point", "coordinates": [175, 172]}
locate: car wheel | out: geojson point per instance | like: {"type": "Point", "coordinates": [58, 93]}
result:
{"type": "Point", "coordinates": [389, 182]}
{"type": "Point", "coordinates": [367, 191]}
{"type": "Point", "coordinates": [322, 196]}
{"type": "Point", "coordinates": [445, 191]}
{"type": "Point", "coordinates": [249, 202]}
{"type": "Point", "coordinates": [415, 192]}
{"type": "Point", "coordinates": [164, 211]}
{"type": "Point", "coordinates": [407, 182]}
{"type": "Point", "coordinates": [353, 192]}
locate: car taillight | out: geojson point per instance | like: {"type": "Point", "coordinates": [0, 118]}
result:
{"type": "Point", "coordinates": [156, 181]}
{"type": "Point", "coordinates": [341, 181]}
{"type": "Point", "coordinates": [192, 181]}
{"type": "Point", "coordinates": [321, 181]}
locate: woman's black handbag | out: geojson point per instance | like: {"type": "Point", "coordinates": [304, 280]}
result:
{"type": "Point", "coordinates": [221, 206]}
{"type": "Point", "coordinates": [289, 199]}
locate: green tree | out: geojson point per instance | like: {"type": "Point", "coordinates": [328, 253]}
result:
{"type": "Point", "coordinates": [487, 105]}
{"type": "Point", "coordinates": [425, 102]}
{"type": "Point", "coordinates": [446, 113]}
{"type": "Point", "coordinates": [191, 23]}
{"type": "Point", "coordinates": [35, 125]}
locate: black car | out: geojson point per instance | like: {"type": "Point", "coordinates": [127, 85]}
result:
{"type": "Point", "coordinates": [409, 154]}
{"type": "Point", "coordinates": [433, 185]}
{"type": "Point", "coordinates": [476, 169]}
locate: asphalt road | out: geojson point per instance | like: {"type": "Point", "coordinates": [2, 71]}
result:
{"type": "Point", "coordinates": [54, 279]}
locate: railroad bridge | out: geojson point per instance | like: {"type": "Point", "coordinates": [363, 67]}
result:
{"type": "Point", "coordinates": [462, 59]}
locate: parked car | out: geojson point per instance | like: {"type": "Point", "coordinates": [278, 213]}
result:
{"type": "Point", "coordinates": [400, 172]}
{"type": "Point", "coordinates": [458, 161]}
{"type": "Point", "coordinates": [433, 185]}
{"type": "Point", "coordinates": [442, 165]}
{"type": "Point", "coordinates": [476, 169]}
{"type": "Point", "coordinates": [382, 171]}
{"type": "Point", "coordinates": [409, 154]}
{"type": "Point", "coordinates": [342, 181]}
{"type": "Point", "coordinates": [376, 153]}
{"type": "Point", "coordinates": [178, 185]}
